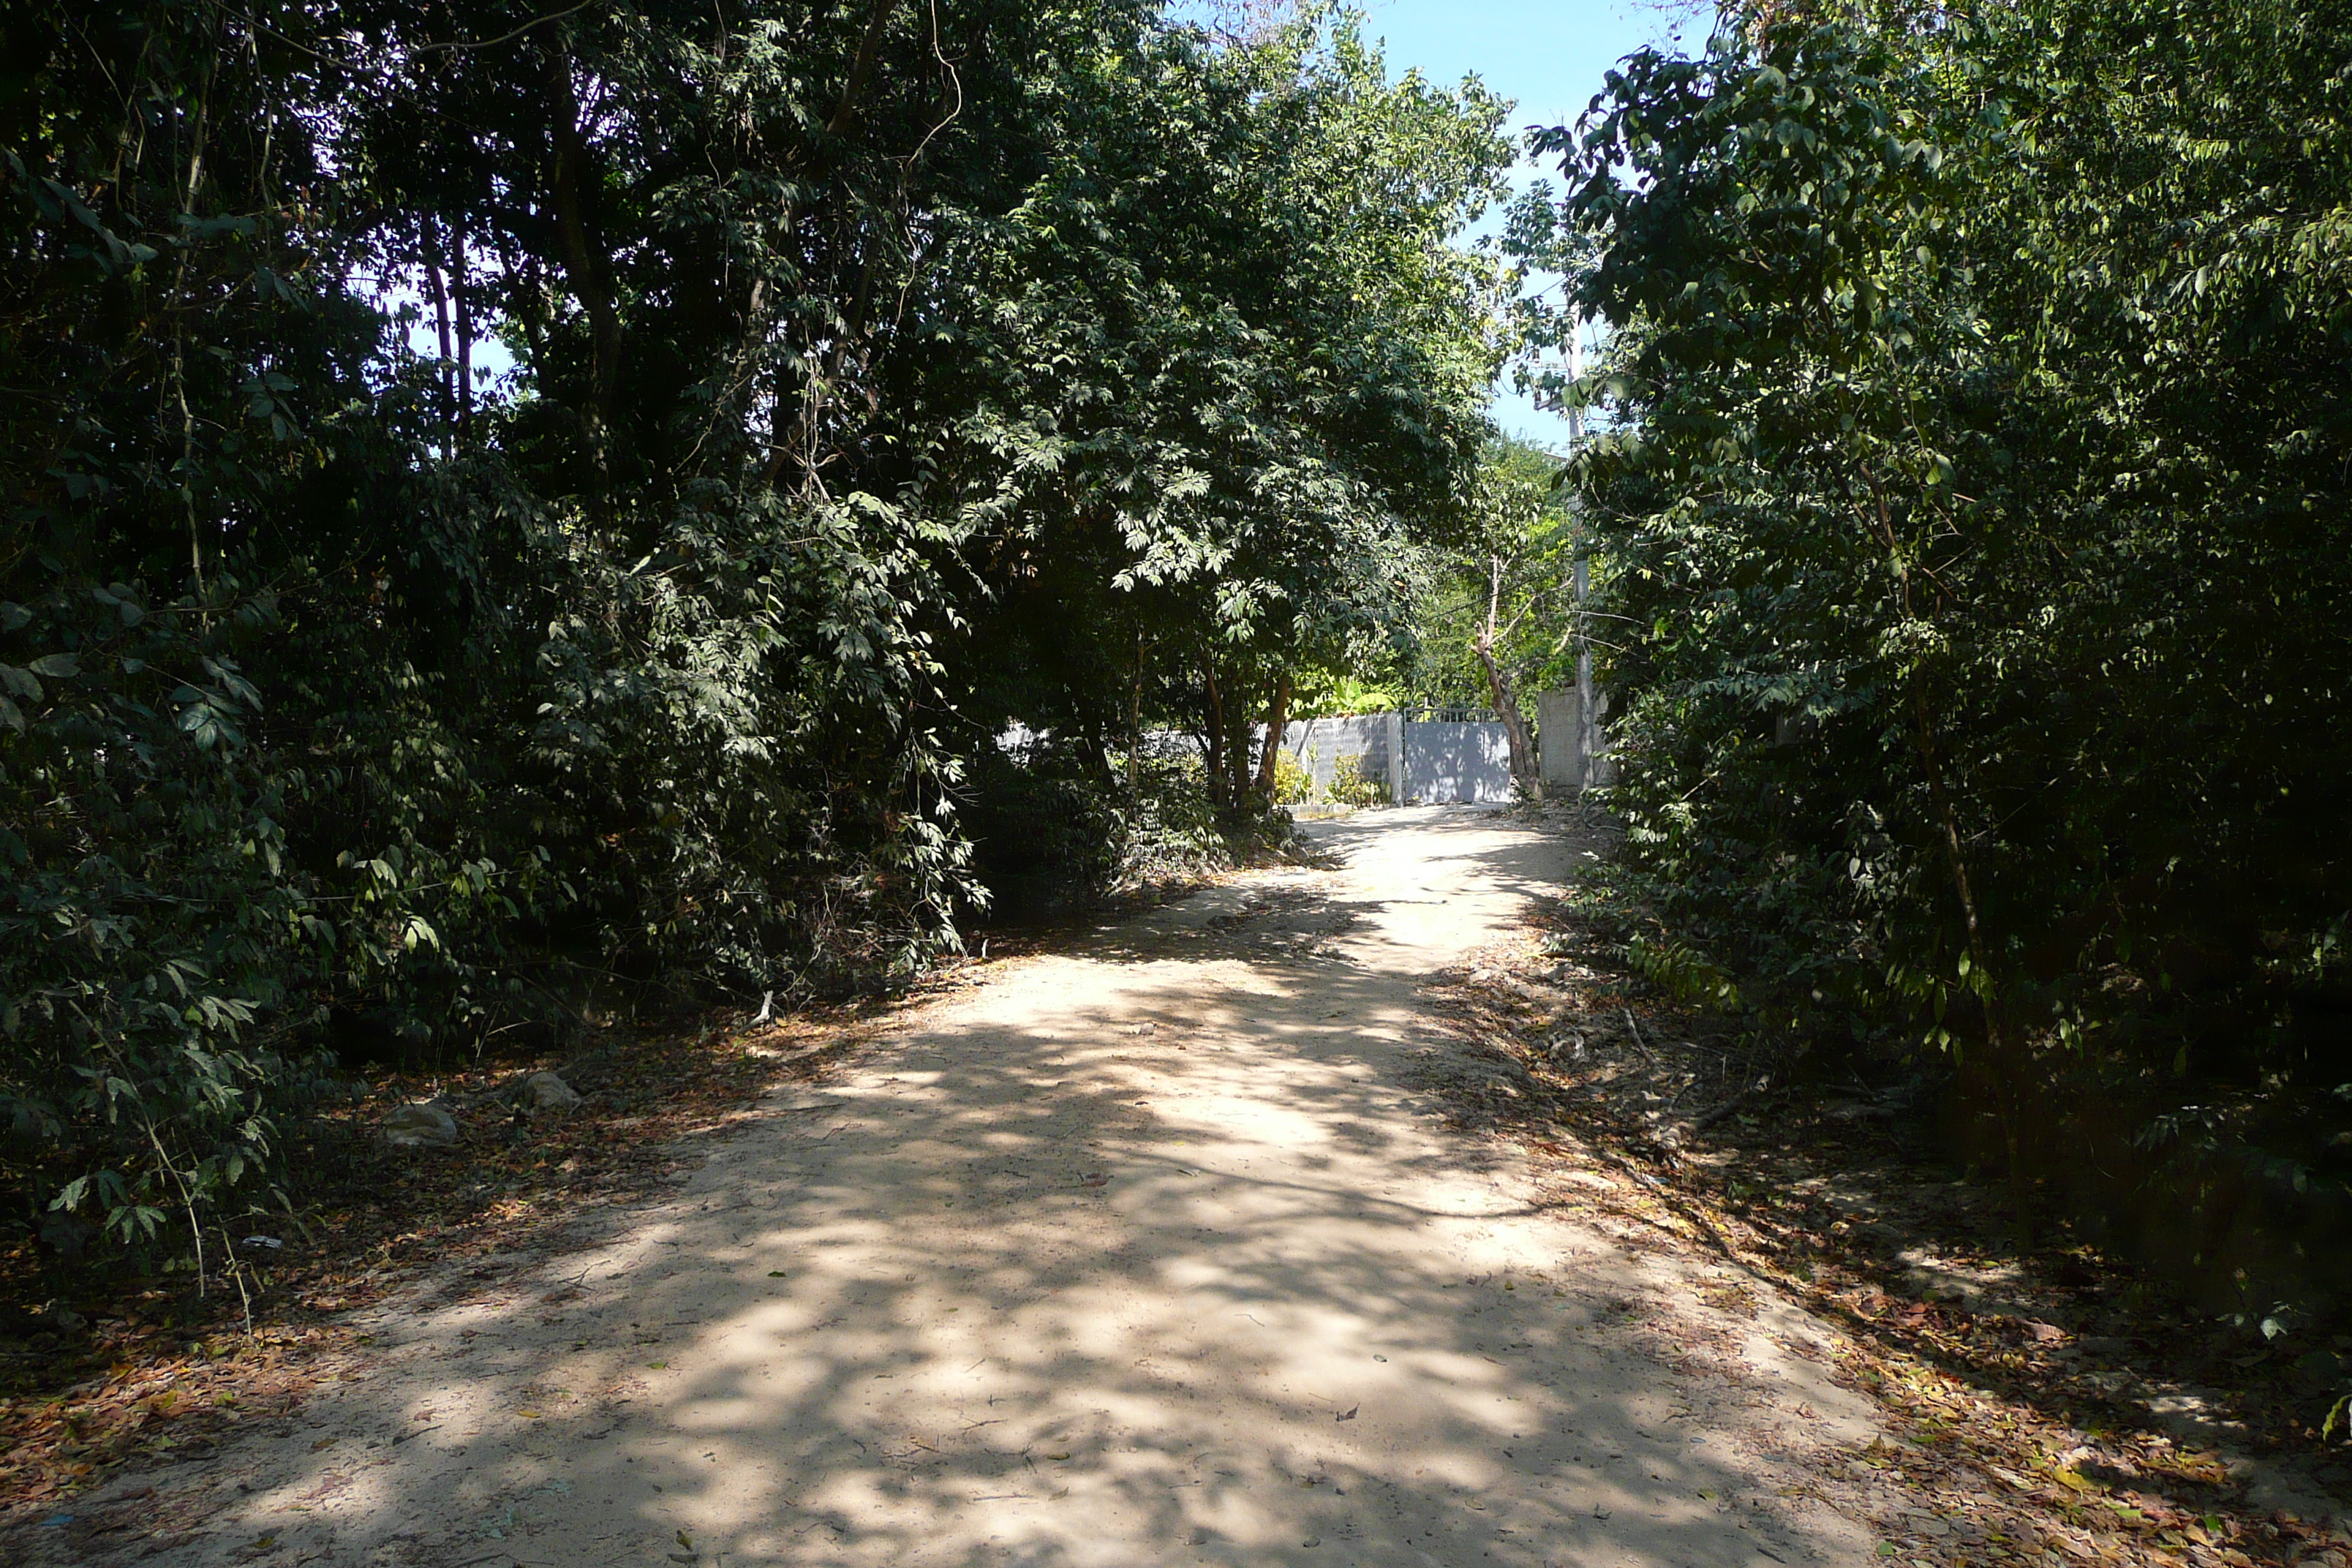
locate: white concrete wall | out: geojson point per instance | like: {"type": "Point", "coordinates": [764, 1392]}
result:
{"type": "Point", "coordinates": [1318, 745]}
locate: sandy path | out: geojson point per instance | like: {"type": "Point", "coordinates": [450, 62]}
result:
{"type": "Point", "coordinates": [1147, 1253]}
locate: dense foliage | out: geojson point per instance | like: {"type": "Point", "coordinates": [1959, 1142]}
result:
{"type": "Point", "coordinates": [511, 502]}
{"type": "Point", "coordinates": [1513, 573]}
{"type": "Point", "coordinates": [1976, 503]}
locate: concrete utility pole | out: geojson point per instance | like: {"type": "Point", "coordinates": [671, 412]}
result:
{"type": "Point", "coordinates": [1589, 741]}
{"type": "Point", "coordinates": [1574, 411]}
{"type": "Point", "coordinates": [1573, 746]}
{"type": "Point", "coordinates": [1584, 725]}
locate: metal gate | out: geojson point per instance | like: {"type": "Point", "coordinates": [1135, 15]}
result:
{"type": "Point", "coordinates": [1456, 755]}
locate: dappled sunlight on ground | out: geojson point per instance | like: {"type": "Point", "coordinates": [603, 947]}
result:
{"type": "Point", "coordinates": [1148, 1253]}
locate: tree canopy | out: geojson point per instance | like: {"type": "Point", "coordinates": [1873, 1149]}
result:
{"type": "Point", "coordinates": [509, 499]}
{"type": "Point", "coordinates": [1975, 494]}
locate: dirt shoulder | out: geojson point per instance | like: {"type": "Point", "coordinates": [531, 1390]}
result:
{"type": "Point", "coordinates": [101, 1372]}
{"type": "Point", "coordinates": [2055, 1405]}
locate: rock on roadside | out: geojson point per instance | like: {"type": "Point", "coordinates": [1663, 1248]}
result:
{"type": "Point", "coordinates": [544, 1092]}
{"type": "Point", "coordinates": [421, 1126]}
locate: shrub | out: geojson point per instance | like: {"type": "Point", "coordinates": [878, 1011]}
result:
{"type": "Point", "coordinates": [1293, 786]}
{"type": "Point", "coordinates": [1352, 784]}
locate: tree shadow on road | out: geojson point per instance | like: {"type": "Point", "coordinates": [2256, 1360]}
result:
{"type": "Point", "coordinates": [1137, 1257]}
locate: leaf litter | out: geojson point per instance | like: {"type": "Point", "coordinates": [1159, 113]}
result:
{"type": "Point", "coordinates": [2008, 1438]}
{"type": "Point", "coordinates": [145, 1368]}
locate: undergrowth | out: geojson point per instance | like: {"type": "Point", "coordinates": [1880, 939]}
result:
{"type": "Point", "coordinates": [2017, 1381]}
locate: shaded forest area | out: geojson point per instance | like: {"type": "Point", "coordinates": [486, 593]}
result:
{"type": "Point", "coordinates": [1971, 493]}
{"type": "Point", "coordinates": [2042, 1403]}
{"type": "Point", "coordinates": [514, 511]}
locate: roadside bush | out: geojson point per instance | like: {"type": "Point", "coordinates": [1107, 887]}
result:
{"type": "Point", "coordinates": [1046, 830]}
{"type": "Point", "coordinates": [1293, 786]}
{"type": "Point", "coordinates": [1354, 785]}
{"type": "Point", "coordinates": [1978, 692]}
{"type": "Point", "coordinates": [1173, 834]}
{"type": "Point", "coordinates": [1053, 832]}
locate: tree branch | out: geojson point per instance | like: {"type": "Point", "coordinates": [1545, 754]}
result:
{"type": "Point", "coordinates": [868, 48]}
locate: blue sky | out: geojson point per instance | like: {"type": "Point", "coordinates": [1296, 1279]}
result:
{"type": "Point", "coordinates": [1550, 58]}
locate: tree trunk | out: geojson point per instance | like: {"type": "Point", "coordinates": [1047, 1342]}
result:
{"type": "Point", "coordinates": [870, 48]}
{"type": "Point", "coordinates": [1505, 693]}
{"type": "Point", "coordinates": [1238, 753]}
{"type": "Point", "coordinates": [1135, 726]}
{"type": "Point", "coordinates": [1514, 723]}
{"type": "Point", "coordinates": [440, 295]}
{"type": "Point", "coordinates": [2008, 1059]}
{"type": "Point", "coordinates": [2010, 1063]}
{"type": "Point", "coordinates": [462, 298]}
{"type": "Point", "coordinates": [1277, 719]}
{"type": "Point", "coordinates": [583, 263]}
{"type": "Point", "coordinates": [1216, 758]}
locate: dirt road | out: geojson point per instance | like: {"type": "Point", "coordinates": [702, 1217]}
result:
{"type": "Point", "coordinates": [1156, 1251]}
